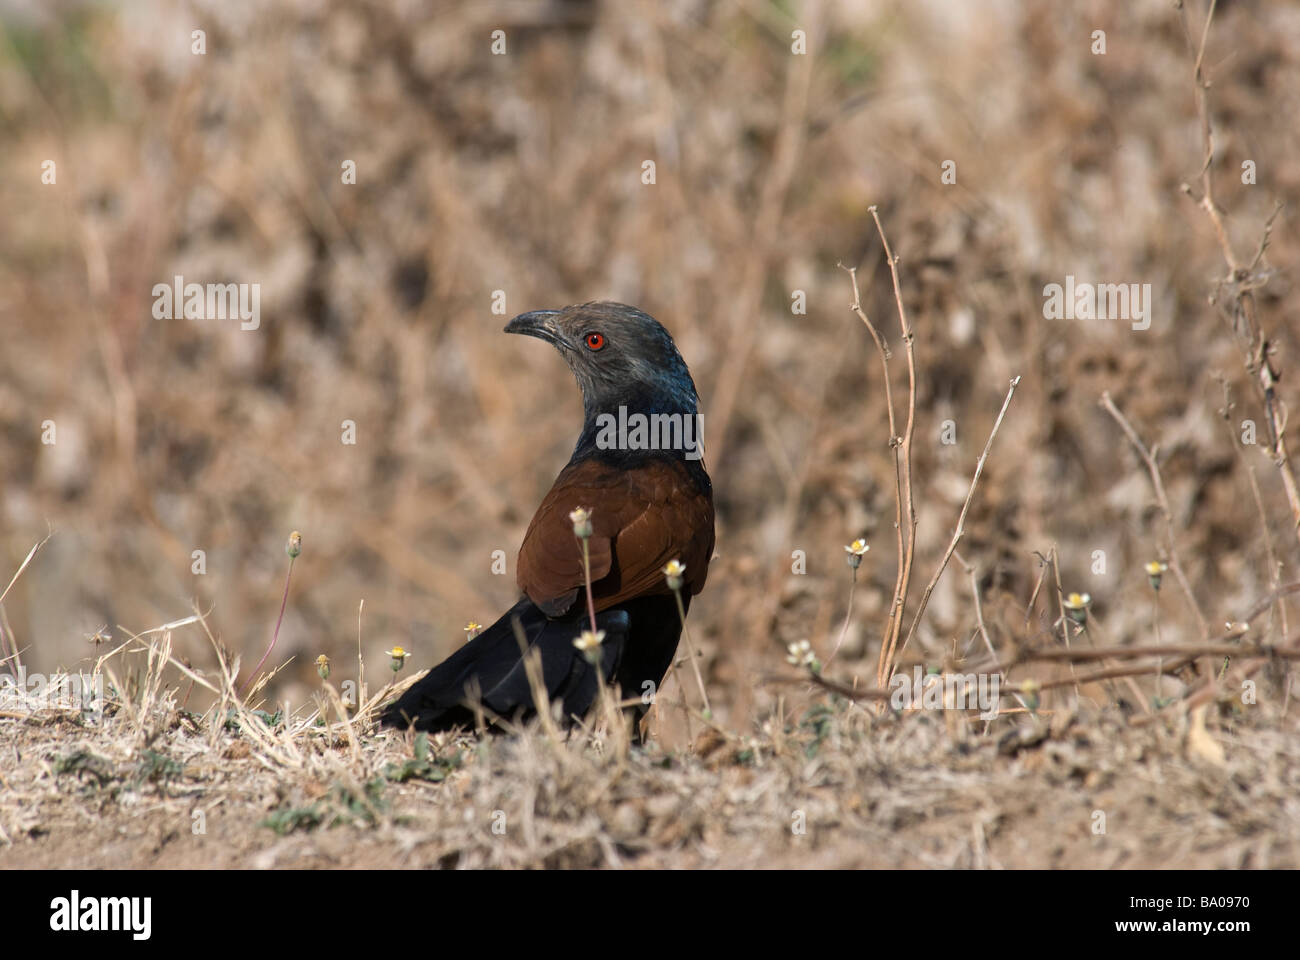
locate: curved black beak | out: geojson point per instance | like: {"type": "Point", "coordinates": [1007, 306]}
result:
{"type": "Point", "coordinates": [538, 323]}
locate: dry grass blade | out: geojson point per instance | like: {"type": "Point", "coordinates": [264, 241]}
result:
{"type": "Point", "coordinates": [14, 653]}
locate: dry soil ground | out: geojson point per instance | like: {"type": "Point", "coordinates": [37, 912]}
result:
{"type": "Point", "coordinates": [839, 787]}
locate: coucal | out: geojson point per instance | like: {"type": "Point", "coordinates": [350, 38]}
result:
{"type": "Point", "coordinates": [650, 502]}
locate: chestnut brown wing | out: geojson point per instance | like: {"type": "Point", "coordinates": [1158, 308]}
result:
{"type": "Point", "coordinates": [641, 518]}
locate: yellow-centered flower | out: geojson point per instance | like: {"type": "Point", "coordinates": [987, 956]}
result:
{"type": "Point", "coordinates": [673, 571]}
{"type": "Point", "coordinates": [1155, 570]}
{"type": "Point", "coordinates": [1076, 607]}
{"type": "Point", "coordinates": [589, 644]}
{"type": "Point", "coordinates": [801, 654]}
{"type": "Point", "coordinates": [581, 518]}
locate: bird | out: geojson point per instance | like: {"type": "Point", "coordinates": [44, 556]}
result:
{"type": "Point", "coordinates": [636, 481]}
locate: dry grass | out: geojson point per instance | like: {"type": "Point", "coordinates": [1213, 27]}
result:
{"type": "Point", "coordinates": [146, 784]}
{"type": "Point", "coordinates": [521, 174]}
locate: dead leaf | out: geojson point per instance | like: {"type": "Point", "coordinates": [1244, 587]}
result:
{"type": "Point", "coordinates": [1200, 745]}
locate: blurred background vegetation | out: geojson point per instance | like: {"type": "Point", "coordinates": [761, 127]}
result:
{"type": "Point", "coordinates": [522, 173]}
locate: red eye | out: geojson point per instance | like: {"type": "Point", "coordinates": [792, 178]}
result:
{"type": "Point", "coordinates": [595, 341]}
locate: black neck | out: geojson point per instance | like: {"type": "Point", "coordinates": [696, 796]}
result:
{"type": "Point", "coordinates": [610, 435]}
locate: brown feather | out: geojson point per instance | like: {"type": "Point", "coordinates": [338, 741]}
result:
{"type": "Point", "coordinates": [641, 518]}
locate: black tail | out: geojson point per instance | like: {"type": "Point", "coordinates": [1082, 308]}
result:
{"type": "Point", "coordinates": [640, 640]}
{"type": "Point", "coordinates": [490, 670]}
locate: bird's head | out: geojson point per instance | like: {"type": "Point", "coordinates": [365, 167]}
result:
{"type": "Point", "coordinates": [619, 356]}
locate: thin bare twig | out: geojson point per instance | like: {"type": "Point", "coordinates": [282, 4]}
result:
{"type": "Point", "coordinates": [284, 601]}
{"type": "Point", "coordinates": [1274, 567]}
{"type": "Point", "coordinates": [888, 657]}
{"type": "Point", "coordinates": [1171, 548]}
{"type": "Point", "coordinates": [980, 624]}
{"type": "Point", "coordinates": [1064, 621]}
{"type": "Point", "coordinates": [895, 444]}
{"type": "Point", "coordinates": [848, 617]}
{"type": "Point", "coordinates": [960, 532]}
{"type": "Point", "coordinates": [1241, 282]}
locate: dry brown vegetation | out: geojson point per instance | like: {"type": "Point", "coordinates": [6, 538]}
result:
{"type": "Point", "coordinates": [522, 173]}
{"type": "Point", "coordinates": [148, 785]}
